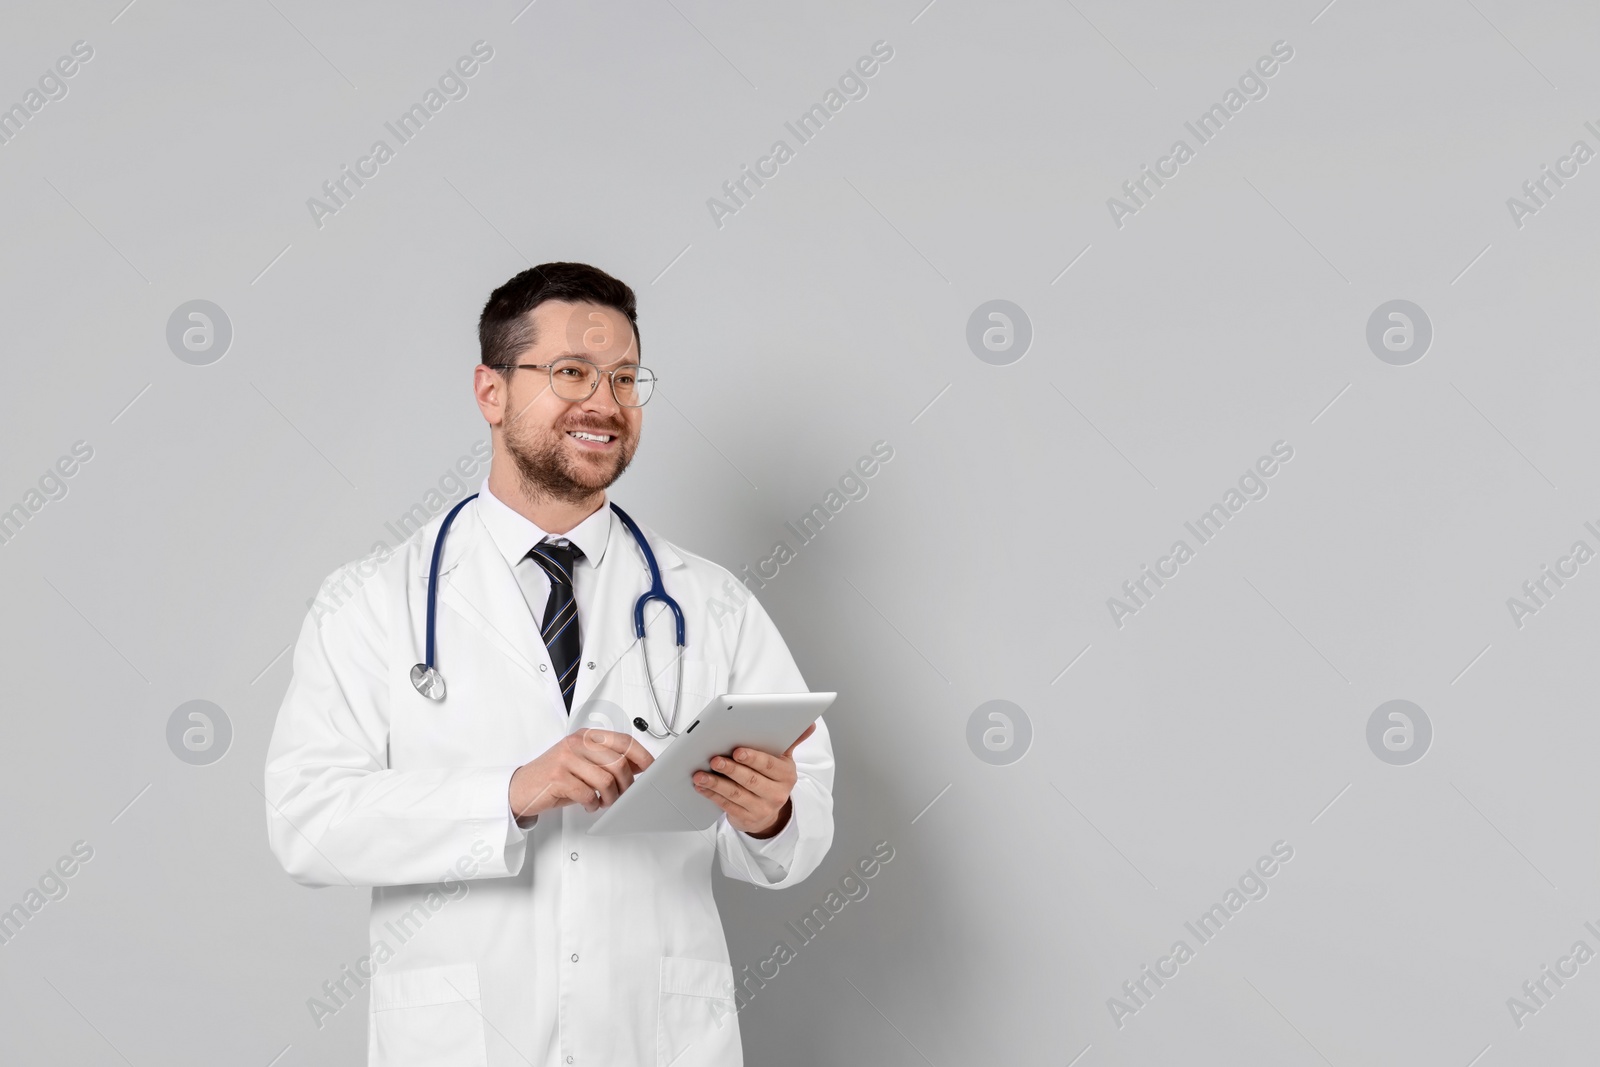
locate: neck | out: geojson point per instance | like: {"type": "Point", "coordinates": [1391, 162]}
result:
{"type": "Point", "coordinates": [553, 515]}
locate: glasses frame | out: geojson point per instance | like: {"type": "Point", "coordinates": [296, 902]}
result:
{"type": "Point", "coordinates": [608, 375]}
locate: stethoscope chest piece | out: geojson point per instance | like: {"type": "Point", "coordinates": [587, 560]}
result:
{"type": "Point", "coordinates": [427, 681]}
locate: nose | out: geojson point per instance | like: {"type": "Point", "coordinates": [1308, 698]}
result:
{"type": "Point", "coordinates": [601, 402]}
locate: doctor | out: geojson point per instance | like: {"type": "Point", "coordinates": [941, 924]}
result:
{"type": "Point", "coordinates": [501, 934]}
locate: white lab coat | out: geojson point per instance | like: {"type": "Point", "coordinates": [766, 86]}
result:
{"type": "Point", "coordinates": [494, 945]}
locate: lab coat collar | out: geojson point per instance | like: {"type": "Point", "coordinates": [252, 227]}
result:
{"type": "Point", "coordinates": [515, 534]}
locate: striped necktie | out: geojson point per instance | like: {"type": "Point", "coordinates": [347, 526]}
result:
{"type": "Point", "coordinates": [560, 629]}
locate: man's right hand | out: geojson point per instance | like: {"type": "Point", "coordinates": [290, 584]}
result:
{"type": "Point", "coordinates": [589, 767]}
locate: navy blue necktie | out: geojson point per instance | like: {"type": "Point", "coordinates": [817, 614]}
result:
{"type": "Point", "coordinates": [560, 629]}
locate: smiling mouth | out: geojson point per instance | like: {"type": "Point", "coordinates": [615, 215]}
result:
{"type": "Point", "coordinates": [593, 440]}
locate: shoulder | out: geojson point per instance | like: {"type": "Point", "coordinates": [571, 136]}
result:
{"type": "Point", "coordinates": [351, 594]}
{"type": "Point", "coordinates": [362, 588]}
{"type": "Point", "coordinates": [688, 566]}
{"type": "Point", "coordinates": [720, 592]}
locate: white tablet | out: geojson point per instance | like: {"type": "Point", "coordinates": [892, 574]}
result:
{"type": "Point", "coordinates": [663, 799]}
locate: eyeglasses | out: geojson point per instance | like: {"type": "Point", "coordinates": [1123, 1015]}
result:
{"type": "Point", "coordinates": [572, 378]}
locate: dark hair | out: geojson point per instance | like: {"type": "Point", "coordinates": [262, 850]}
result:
{"type": "Point", "coordinates": [506, 328]}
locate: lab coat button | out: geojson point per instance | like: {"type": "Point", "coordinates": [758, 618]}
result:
{"type": "Point", "coordinates": [544, 667]}
{"type": "Point", "coordinates": [590, 665]}
{"type": "Point", "coordinates": [569, 1059]}
{"type": "Point", "coordinates": [574, 957]}
{"type": "Point", "coordinates": [574, 855]}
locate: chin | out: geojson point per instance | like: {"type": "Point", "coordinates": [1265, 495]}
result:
{"type": "Point", "coordinates": [594, 477]}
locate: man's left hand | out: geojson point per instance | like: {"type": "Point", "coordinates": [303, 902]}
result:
{"type": "Point", "coordinates": [753, 787]}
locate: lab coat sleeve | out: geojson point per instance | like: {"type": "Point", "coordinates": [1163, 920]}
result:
{"type": "Point", "coordinates": [774, 855]}
{"type": "Point", "coordinates": [762, 664]}
{"type": "Point", "coordinates": [336, 814]}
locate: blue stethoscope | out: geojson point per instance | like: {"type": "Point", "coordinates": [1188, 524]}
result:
{"type": "Point", "coordinates": [430, 683]}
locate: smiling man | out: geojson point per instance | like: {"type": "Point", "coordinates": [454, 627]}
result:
{"type": "Point", "coordinates": [502, 934]}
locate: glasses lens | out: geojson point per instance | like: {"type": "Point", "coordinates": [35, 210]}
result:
{"type": "Point", "coordinates": [633, 386]}
{"type": "Point", "coordinates": [573, 379]}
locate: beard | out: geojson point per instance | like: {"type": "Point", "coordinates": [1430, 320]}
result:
{"type": "Point", "coordinates": [547, 468]}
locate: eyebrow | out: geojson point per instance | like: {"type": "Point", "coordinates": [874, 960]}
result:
{"type": "Point", "coordinates": [580, 355]}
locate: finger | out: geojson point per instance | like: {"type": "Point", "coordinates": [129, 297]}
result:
{"type": "Point", "coordinates": [754, 781]}
{"type": "Point", "coordinates": [611, 782]}
{"type": "Point", "coordinates": [623, 775]}
{"type": "Point", "coordinates": [621, 772]}
{"type": "Point", "coordinates": [638, 755]}
{"type": "Point", "coordinates": [604, 759]}
{"type": "Point", "coordinates": [778, 768]}
{"type": "Point", "coordinates": [596, 778]}
{"type": "Point", "coordinates": [600, 746]}
{"type": "Point", "coordinates": [720, 801]}
{"type": "Point", "coordinates": [608, 747]}
{"type": "Point", "coordinates": [721, 786]}
{"type": "Point", "coordinates": [745, 776]}
{"type": "Point", "coordinates": [734, 792]}
{"type": "Point", "coordinates": [737, 805]}
{"type": "Point", "coordinates": [574, 791]}
{"type": "Point", "coordinates": [809, 731]}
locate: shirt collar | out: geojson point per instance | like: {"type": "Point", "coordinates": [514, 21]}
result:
{"type": "Point", "coordinates": [514, 534]}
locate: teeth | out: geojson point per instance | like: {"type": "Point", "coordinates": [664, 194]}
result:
{"type": "Point", "coordinates": [582, 436]}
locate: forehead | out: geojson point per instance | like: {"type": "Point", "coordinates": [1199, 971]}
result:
{"type": "Point", "coordinates": [594, 331]}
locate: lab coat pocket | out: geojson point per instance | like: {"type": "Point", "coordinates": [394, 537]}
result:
{"type": "Point", "coordinates": [630, 691]}
{"type": "Point", "coordinates": [695, 1019]}
{"type": "Point", "coordinates": [699, 687]}
{"type": "Point", "coordinates": [429, 1016]}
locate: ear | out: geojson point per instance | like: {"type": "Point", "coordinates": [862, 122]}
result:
{"type": "Point", "coordinates": [490, 387]}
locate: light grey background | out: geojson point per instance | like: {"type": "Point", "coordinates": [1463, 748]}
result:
{"type": "Point", "coordinates": [829, 313]}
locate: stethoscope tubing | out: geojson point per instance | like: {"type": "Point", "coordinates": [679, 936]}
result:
{"type": "Point", "coordinates": [433, 578]}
